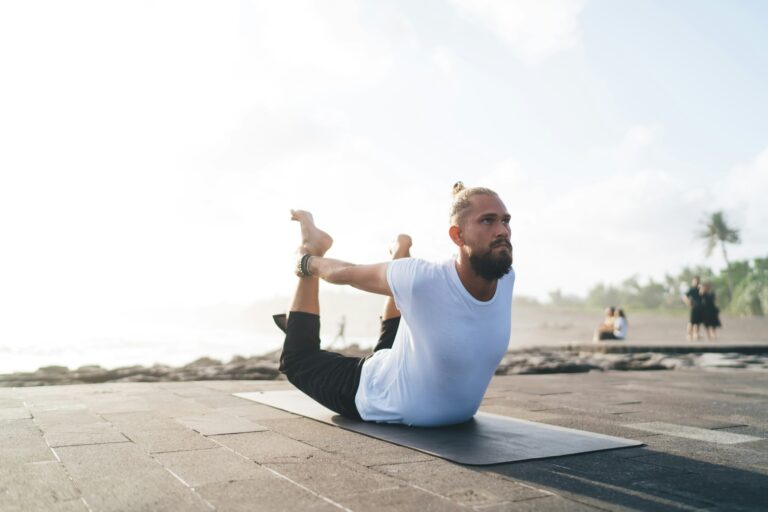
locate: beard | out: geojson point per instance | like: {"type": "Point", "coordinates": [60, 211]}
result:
{"type": "Point", "coordinates": [491, 267]}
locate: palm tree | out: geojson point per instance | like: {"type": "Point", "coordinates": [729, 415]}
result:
{"type": "Point", "coordinates": [716, 231]}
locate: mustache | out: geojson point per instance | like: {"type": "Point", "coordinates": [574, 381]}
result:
{"type": "Point", "coordinates": [502, 242]}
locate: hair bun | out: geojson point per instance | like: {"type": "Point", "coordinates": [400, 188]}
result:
{"type": "Point", "coordinates": [458, 187]}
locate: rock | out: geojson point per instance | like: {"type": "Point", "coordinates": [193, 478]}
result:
{"type": "Point", "coordinates": [203, 361]}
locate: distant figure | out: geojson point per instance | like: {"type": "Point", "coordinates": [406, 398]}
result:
{"type": "Point", "coordinates": [692, 299]}
{"type": "Point", "coordinates": [710, 313]}
{"type": "Point", "coordinates": [340, 335]}
{"type": "Point", "coordinates": [607, 324]}
{"type": "Point", "coordinates": [614, 327]}
{"type": "Point", "coordinates": [620, 325]}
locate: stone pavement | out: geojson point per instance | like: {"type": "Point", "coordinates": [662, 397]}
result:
{"type": "Point", "coordinates": [193, 446]}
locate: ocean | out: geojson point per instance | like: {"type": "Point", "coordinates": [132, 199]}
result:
{"type": "Point", "coordinates": [140, 345]}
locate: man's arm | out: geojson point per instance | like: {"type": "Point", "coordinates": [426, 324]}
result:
{"type": "Point", "coordinates": [369, 278]}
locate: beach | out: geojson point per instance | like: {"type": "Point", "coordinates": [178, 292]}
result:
{"type": "Point", "coordinates": [544, 340]}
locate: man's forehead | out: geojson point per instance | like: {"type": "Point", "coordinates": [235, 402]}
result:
{"type": "Point", "coordinates": [484, 204]}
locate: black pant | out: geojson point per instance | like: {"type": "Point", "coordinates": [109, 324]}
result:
{"type": "Point", "coordinates": [328, 377]}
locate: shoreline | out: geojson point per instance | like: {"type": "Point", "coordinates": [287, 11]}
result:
{"type": "Point", "coordinates": [529, 361]}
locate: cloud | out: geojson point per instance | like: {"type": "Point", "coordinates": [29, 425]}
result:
{"type": "Point", "coordinates": [743, 193]}
{"type": "Point", "coordinates": [533, 29]}
{"type": "Point", "coordinates": [637, 140]}
{"type": "Point", "coordinates": [294, 50]}
{"type": "Point", "coordinates": [637, 221]}
{"type": "Point", "coordinates": [641, 220]}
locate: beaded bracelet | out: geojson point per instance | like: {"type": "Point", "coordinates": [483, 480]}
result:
{"type": "Point", "coordinates": [304, 265]}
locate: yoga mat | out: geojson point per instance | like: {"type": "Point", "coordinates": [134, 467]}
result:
{"type": "Point", "coordinates": [485, 439]}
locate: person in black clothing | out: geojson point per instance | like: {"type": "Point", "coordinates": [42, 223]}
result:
{"type": "Point", "coordinates": [710, 314]}
{"type": "Point", "coordinates": [692, 299]}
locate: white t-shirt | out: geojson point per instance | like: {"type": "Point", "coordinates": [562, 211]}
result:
{"type": "Point", "coordinates": [447, 348]}
{"type": "Point", "coordinates": [620, 327]}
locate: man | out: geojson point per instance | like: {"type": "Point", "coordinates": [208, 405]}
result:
{"type": "Point", "coordinates": [445, 326]}
{"type": "Point", "coordinates": [692, 299]}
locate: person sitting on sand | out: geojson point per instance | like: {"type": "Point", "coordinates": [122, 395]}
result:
{"type": "Point", "coordinates": [607, 324]}
{"type": "Point", "coordinates": [445, 328]}
{"type": "Point", "coordinates": [615, 327]}
{"type": "Point", "coordinates": [620, 325]}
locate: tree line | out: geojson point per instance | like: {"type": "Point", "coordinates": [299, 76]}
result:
{"type": "Point", "coordinates": [741, 288]}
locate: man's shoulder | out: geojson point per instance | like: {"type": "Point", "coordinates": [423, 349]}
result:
{"type": "Point", "coordinates": [419, 264]}
{"type": "Point", "coordinates": [420, 270]}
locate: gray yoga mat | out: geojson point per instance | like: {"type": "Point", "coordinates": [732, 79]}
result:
{"type": "Point", "coordinates": [485, 439]}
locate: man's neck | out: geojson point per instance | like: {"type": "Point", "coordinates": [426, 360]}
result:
{"type": "Point", "coordinates": [478, 287]}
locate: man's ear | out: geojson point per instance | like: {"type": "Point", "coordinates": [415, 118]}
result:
{"type": "Point", "coordinates": [455, 233]}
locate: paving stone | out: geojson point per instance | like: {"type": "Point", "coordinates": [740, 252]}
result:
{"type": "Point", "coordinates": [688, 432]}
{"type": "Point", "coordinates": [689, 465]}
{"type": "Point", "coordinates": [158, 434]}
{"type": "Point", "coordinates": [36, 486]}
{"type": "Point", "coordinates": [218, 400]}
{"type": "Point", "coordinates": [257, 412]}
{"type": "Point", "coordinates": [114, 403]}
{"type": "Point", "coordinates": [77, 505]}
{"type": "Point", "coordinates": [334, 477]}
{"type": "Point", "coordinates": [97, 433]}
{"type": "Point", "coordinates": [69, 428]}
{"type": "Point", "coordinates": [8, 399]}
{"type": "Point", "coordinates": [548, 503]}
{"type": "Point", "coordinates": [122, 477]}
{"type": "Point", "coordinates": [671, 473]}
{"type": "Point", "coordinates": [168, 404]}
{"type": "Point", "coordinates": [599, 426]}
{"type": "Point", "coordinates": [402, 499]}
{"type": "Point", "coordinates": [200, 467]}
{"type": "Point", "coordinates": [738, 490]}
{"type": "Point", "coordinates": [22, 441]}
{"type": "Point", "coordinates": [266, 493]}
{"type": "Point", "coordinates": [215, 424]}
{"type": "Point", "coordinates": [747, 455]}
{"type": "Point", "coordinates": [462, 485]}
{"type": "Point", "coordinates": [352, 446]}
{"type": "Point", "coordinates": [595, 490]}
{"type": "Point", "coordinates": [268, 446]}
{"type": "Point", "coordinates": [57, 405]}
{"type": "Point", "coordinates": [240, 386]}
{"type": "Point", "coordinates": [521, 414]}
{"type": "Point", "coordinates": [612, 470]}
{"type": "Point", "coordinates": [14, 413]}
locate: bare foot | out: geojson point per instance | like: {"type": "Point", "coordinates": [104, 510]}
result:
{"type": "Point", "coordinates": [314, 241]}
{"type": "Point", "coordinates": [401, 248]}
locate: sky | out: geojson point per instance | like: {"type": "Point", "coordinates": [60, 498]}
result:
{"type": "Point", "coordinates": [150, 152]}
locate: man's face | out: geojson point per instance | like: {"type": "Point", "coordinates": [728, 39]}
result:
{"type": "Point", "coordinates": [485, 232]}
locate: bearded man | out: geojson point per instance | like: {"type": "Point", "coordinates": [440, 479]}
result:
{"type": "Point", "coordinates": [444, 330]}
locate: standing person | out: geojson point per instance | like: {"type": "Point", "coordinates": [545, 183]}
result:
{"type": "Point", "coordinates": [340, 333]}
{"type": "Point", "coordinates": [445, 329]}
{"type": "Point", "coordinates": [710, 313]}
{"type": "Point", "coordinates": [692, 299]}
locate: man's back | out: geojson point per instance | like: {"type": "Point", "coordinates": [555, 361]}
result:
{"type": "Point", "coordinates": [447, 348]}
